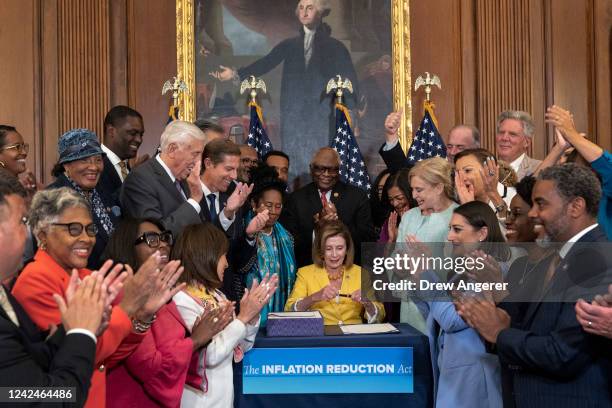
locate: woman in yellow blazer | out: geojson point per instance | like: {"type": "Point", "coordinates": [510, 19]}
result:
{"type": "Point", "coordinates": [332, 285]}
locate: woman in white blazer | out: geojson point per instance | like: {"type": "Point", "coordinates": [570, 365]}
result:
{"type": "Point", "coordinates": [201, 248]}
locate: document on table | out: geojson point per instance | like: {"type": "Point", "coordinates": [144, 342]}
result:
{"type": "Point", "coordinates": [292, 315]}
{"type": "Point", "coordinates": [377, 328]}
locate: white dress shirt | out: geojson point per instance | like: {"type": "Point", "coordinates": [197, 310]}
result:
{"type": "Point", "coordinates": [115, 160]}
{"type": "Point", "coordinates": [191, 201]}
{"type": "Point", "coordinates": [308, 38]}
{"type": "Point", "coordinates": [517, 163]}
{"type": "Point", "coordinates": [570, 242]}
{"type": "Point", "coordinates": [225, 222]}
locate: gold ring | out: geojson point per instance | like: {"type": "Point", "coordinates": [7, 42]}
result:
{"type": "Point", "coordinates": [215, 320]}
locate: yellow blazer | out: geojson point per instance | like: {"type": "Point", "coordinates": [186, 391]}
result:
{"type": "Point", "coordinates": [311, 279]}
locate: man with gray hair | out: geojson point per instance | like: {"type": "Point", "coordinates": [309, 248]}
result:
{"type": "Point", "coordinates": [167, 187]}
{"type": "Point", "coordinates": [514, 135]}
{"type": "Point", "coordinates": [309, 60]}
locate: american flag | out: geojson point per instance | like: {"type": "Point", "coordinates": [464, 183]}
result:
{"type": "Point", "coordinates": [258, 138]}
{"type": "Point", "coordinates": [427, 141]}
{"type": "Point", "coordinates": [352, 167]}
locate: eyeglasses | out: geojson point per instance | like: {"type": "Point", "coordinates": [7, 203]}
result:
{"type": "Point", "coordinates": [322, 169]}
{"type": "Point", "coordinates": [75, 229]}
{"type": "Point", "coordinates": [247, 161]}
{"type": "Point", "coordinates": [153, 239]}
{"type": "Point", "coordinates": [19, 147]}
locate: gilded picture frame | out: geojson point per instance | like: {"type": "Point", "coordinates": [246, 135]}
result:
{"type": "Point", "coordinates": [401, 63]}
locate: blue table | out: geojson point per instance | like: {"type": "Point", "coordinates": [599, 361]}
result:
{"type": "Point", "coordinates": [408, 337]}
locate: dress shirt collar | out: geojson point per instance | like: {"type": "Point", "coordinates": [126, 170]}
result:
{"type": "Point", "coordinates": [166, 168]}
{"type": "Point", "coordinates": [517, 163]}
{"type": "Point", "coordinates": [308, 32]}
{"type": "Point", "coordinates": [570, 242]}
{"type": "Point", "coordinates": [114, 159]}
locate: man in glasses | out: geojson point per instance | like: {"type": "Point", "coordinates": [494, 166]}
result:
{"type": "Point", "coordinates": [29, 358]}
{"type": "Point", "coordinates": [248, 160]}
{"type": "Point", "coordinates": [326, 198]}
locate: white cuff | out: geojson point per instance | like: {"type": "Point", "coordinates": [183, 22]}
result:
{"type": "Point", "coordinates": [225, 222]}
{"type": "Point", "coordinates": [390, 145]}
{"type": "Point", "coordinates": [83, 331]}
{"type": "Point", "coordinates": [194, 204]}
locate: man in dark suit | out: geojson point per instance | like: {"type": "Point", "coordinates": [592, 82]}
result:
{"type": "Point", "coordinates": [66, 358]}
{"type": "Point", "coordinates": [223, 204]}
{"type": "Point", "coordinates": [310, 60]}
{"type": "Point", "coordinates": [460, 138]}
{"type": "Point", "coordinates": [167, 187]}
{"type": "Point", "coordinates": [123, 132]}
{"type": "Point", "coordinates": [550, 360]}
{"type": "Point", "coordinates": [326, 198]}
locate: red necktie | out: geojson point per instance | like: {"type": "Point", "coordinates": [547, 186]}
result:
{"type": "Point", "coordinates": [324, 199]}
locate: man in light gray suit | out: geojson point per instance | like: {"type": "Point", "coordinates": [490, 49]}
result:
{"type": "Point", "coordinates": [167, 187]}
{"type": "Point", "coordinates": [514, 135]}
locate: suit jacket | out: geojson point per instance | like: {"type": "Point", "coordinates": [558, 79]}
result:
{"type": "Point", "coordinates": [110, 182]}
{"type": "Point", "coordinates": [353, 210]}
{"type": "Point", "coordinates": [394, 158]}
{"type": "Point", "coordinates": [551, 360]}
{"type": "Point", "coordinates": [528, 166]}
{"type": "Point", "coordinates": [311, 279]}
{"type": "Point", "coordinates": [114, 212]}
{"type": "Point", "coordinates": [34, 289]}
{"type": "Point", "coordinates": [28, 361]}
{"type": "Point", "coordinates": [148, 192]}
{"type": "Point", "coordinates": [155, 373]}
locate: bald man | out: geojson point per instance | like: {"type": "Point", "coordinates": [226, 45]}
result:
{"type": "Point", "coordinates": [326, 198]}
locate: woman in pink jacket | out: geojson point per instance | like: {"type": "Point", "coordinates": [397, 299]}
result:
{"type": "Point", "coordinates": [155, 373]}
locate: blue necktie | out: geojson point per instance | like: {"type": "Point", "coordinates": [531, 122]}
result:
{"type": "Point", "coordinates": [212, 198]}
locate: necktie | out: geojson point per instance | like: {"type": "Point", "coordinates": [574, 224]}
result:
{"type": "Point", "coordinates": [550, 272]}
{"type": "Point", "coordinates": [8, 308]}
{"type": "Point", "coordinates": [324, 199]}
{"type": "Point", "coordinates": [124, 170]}
{"type": "Point", "coordinates": [177, 184]}
{"type": "Point", "coordinates": [212, 198]}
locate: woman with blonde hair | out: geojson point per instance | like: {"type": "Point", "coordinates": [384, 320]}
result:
{"type": "Point", "coordinates": [432, 189]}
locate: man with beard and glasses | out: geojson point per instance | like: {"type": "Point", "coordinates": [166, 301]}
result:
{"type": "Point", "coordinates": [552, 361]}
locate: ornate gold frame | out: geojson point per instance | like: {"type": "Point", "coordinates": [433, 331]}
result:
{"type": "Point", "coordinates": [402, 78]}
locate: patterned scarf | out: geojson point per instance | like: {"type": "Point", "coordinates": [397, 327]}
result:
{"type": "Point", "coordinates": [98, 209]}
{"type": "Point", "coordinates": [275, 255]}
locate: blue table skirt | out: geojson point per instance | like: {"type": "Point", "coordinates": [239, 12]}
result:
{"type": "Point", "coordinates": [408, 337]}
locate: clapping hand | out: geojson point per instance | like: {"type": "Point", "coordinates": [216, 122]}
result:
{"type": "Point", "coordinates": [194, 182]}
{"type": "Point", "coordinates": [85, 307]}
{"type": "Point", "coordinates": [465, 189]}
{"type": "Point", "coordinates": [392, 226]}
{"type": "Point", "coordinates": [256, 297]}
{"type": "Point", "coordinates": [237, 199]}
{"type": "Point", "coordinates": [211, 322]}
{"type": "Point", "coordinates": [490, 175]}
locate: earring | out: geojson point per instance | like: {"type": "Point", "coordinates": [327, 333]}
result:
{"type": "Point", "coordinates": [2, 164]}
{"type": "Point", "coordinates": [43, 246]}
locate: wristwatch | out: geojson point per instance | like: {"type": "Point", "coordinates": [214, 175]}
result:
{"type": "Point", "coordinates": [500, 208]}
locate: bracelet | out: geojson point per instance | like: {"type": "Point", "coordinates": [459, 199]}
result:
{"type": "Point", "coordinates": [140, 326]}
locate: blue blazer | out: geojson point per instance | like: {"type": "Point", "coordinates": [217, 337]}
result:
{"type": "Point", "coordinates": [465, 375]}
{"type": "Point", "coordinates": [551, 360]}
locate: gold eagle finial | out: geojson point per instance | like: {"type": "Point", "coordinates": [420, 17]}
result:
{"type": "Point", "coordinates": [338, 83]}
{"type": "Point", "coordinates": [428, 81]}
{"type": "Point", "coordinates": [253, 84]}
